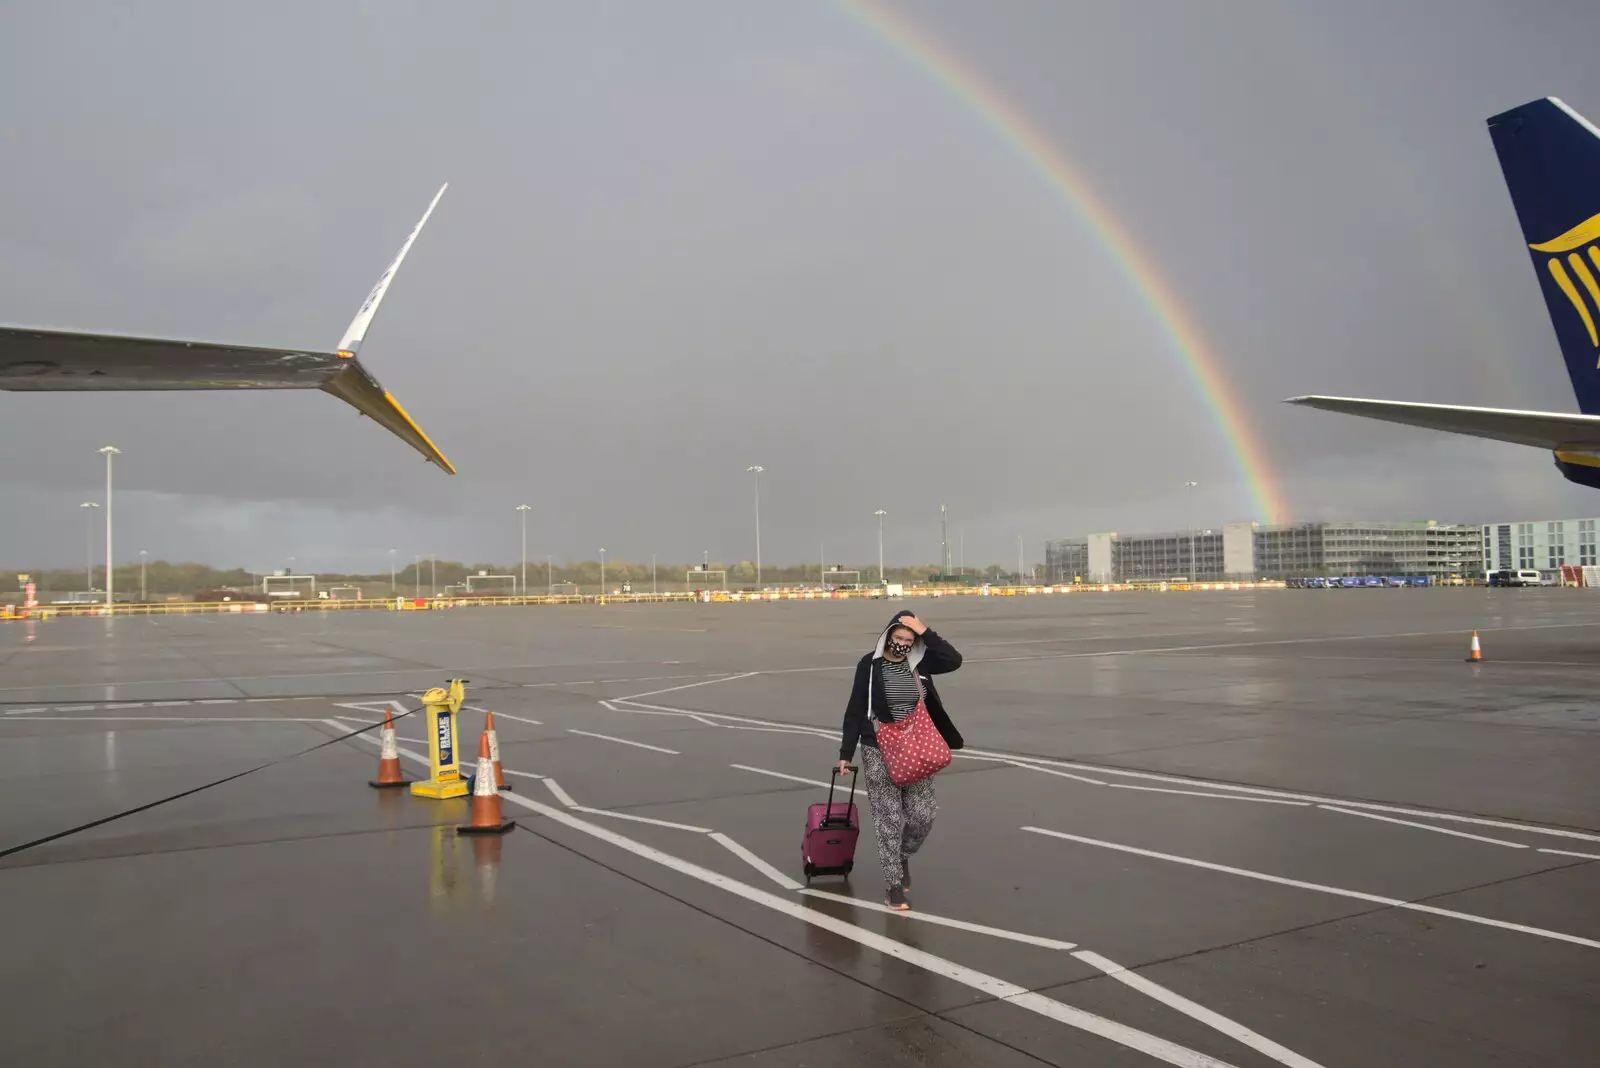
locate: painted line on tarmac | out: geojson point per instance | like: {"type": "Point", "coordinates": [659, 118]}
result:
{"type": "Point", "coordinates": [214, 720]}
{"type": "Point", "coordinates": [1000, 989]}
{"type": "Point", "coordinates": [945, 921]}
{"type": "Point", "coordinates": [754, 861]}
{"type": "Point", "coordinates": [666, 710]}
{"type": "Point", "coordinates": [643, 819]}
{"type": "Point", "coordinates": [561, 795]}
{"type": "Point", "coordinates": [519, 719]}
{"type": "Point", "coordinates": [26, 711]}
{"type": "Point", "coordinates": [1423, 826]}
{"type": "Point", "coordinates": [1203, 793]}
{"type": "Point", "coordinates": [1392, 902]}
{"type": "Point", "coordinates": [1569, 853]}
{"type": "Point", "coordinates": [1040, 763]}
{"type": "Point", "coordinates": [1035, 767]}
{"type": "Point", "coordinates": [1216, 1021]}
{"type": "Point", "coordinates": [782, 775]}
{"type": "Point", "coordinates": [523, 774]}
{"type": "Point", "coordinates": [689, 686]}
{"type": "Point", "coordinates": [622, 741]}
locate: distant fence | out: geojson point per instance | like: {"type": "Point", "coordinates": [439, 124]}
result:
{"type": "Point", "coordinates": [416, 604]}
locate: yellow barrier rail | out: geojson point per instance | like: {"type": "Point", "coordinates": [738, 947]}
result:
{"type": "Point", "coordinates": [413, 604]}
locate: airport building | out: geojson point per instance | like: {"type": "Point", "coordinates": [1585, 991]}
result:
{"type": "Point", "coordinates": [1066, 560]}
{"type": "Point", "coordinates": [1539, 544]}
{"type": "Point", "coordinates": [1251, 550]}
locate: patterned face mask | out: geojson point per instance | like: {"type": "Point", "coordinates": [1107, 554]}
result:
{"type": "Point", "coordinates": [898, 649]}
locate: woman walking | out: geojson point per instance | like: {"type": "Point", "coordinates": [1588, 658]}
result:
{"type": "Point", "coordinates": [890, 682]}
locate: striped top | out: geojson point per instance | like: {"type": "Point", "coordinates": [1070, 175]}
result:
{"type": "Point", "coordinates": [901, 688]}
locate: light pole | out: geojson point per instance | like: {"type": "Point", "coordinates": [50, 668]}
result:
{"type": "Point", "coordinates": [416, 566]}
{"type": "Point", "coordinates": [1190, 517]}
{"type": "Point", "coordinates": [433, 573]}
{"type": "Point", "coordinates": [88, 546]}
{"type": "Point", "coordinates": [394, 583]}
{"type": "Point", "coordinates": [880, 513]}
{"type": "Point", "coordinates": [144, 597]}
{"type": "Point", "coordinates": [1019, 559]}
{"type": "Point", "coordinates": [602, 572]}
{"type": "Point", "coordinates": [524, 509]}
{"type": "Point", "coordinates": [756, 470]}
{"type": "Point", "coordinates": [109, 451]}
{"type": "Point", "coordinates": [550, 574]}
{"type": "Point", "coordinates": [654, 591]}
{"type": "Point", "coordinates": [944, 540]}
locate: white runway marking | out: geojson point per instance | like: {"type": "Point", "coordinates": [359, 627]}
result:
{"type": "Point", "coordinates": [622, 741]}
{"type": "Point", "coordinates": [781, 775]}
{"type": "Point", "coordinates": [1260, 791]}
{"type": "Point", "coordinates": [754, 861]}
{"type": "Point", "coordinates": [561, 795]}
{"type": "Point", "coordinates": [1133, 1038]}
{"type": "Point", "coordinates": [524, 774]}
{"type": "Point", "coordinates": [167, 704]}
{"type": "Point", "coordinates": [945, 921]}
{"type": "Point", "coordinates": [1423, 826]}
{"type": "Point", "coordinates": [1569, 853]}
{"type": "Point", "coordinates": [1236, 1031]}
{"type": "Point", "coordinates": [1204, 793]}
{"type": "Point", "coordinates": [1392, 902]}
{"type": "Point", "coordinates": [519, 719]}
{"type": "Point", "coordinates": [217, 701]}
{"type": "Point", "coordinates": [210, 720]}
{"type": "Point", "coordinates": [25, 711]}
{"type": "Point", "coordinates": [642, 819]}
{"type": "Point", "coordinates": [688, 686]}
{"type": "Point", "coordinates": [1122, 1034]}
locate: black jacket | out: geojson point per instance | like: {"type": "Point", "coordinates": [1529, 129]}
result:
{"type": "Point", "coordinates": [931, 655]}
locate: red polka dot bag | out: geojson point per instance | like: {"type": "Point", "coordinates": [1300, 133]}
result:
{"type": "Point", "coordinates": [912, 749]}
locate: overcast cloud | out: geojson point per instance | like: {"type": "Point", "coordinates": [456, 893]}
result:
{"type": "Point", "coordinates": [685, 238]}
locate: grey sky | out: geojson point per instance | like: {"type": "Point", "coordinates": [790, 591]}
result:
{"type": "Point", "coordinates": [684, 238]}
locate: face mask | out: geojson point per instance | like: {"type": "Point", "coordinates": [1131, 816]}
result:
{"type": "Point", "coordinates": [899, 649]}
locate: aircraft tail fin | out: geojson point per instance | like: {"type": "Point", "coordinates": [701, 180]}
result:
{"type": "Point", "coordinates": [1550, 156]}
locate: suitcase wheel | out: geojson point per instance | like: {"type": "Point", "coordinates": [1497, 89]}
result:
{"type": "Point", "coordinates": [849, 866]}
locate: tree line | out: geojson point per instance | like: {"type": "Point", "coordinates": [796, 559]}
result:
{"type": "Point", "coordinates": [162, 579]}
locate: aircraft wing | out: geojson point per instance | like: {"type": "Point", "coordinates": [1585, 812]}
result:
{"type": "Point", "coordinates": [41, 360]}
{"type": "Point", "coordinates": [38, 360]}
{"type": "Point", "coordinates": [1555, 431]}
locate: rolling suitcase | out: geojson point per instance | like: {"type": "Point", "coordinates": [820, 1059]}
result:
{"type": "Point", "coordinates": [829, 845]}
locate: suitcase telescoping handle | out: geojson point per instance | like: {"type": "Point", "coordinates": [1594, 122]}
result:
{"type": "Point", "coordinates": [855, 773]}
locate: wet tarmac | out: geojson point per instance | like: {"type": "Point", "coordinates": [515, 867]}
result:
{"type": "Point", "coordinates": [1252, 829]}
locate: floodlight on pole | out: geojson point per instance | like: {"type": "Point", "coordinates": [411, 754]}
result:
{"type": "Point", "coordinates": [880, 513]}
{"type": "Point", "coordinates": [109, 451]}
{"type": "Point", "coordinates": [144, 597]}
{"type": "Point", "coordinates": [524, 509]}
{"type": "Point", "coordinates": [88, 546]}
{"type": "Point", "coordinates": [394, 583]}
{"type": "Point", "coordinates": [1193, 573]}
{"type": "Point", "coordinates": [602, 572]}
{"type": "Point", "coordinates": [756, 469]}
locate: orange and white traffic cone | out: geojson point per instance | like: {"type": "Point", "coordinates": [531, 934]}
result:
{"type": "Point", "coordinates": [1476, 654]}
{"type": "Point", "coordinates": [389, 759]}
{"type": "Point", "coordinates": [486, 817]}
{"type": "Point", "coordinates": [494, 751]}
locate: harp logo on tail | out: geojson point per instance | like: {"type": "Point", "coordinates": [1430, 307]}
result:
{"type": "Point", "coordinates": [1578, 244]}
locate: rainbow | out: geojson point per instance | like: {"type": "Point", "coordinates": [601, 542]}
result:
{"type": "Point", "coordinates": [1033, 145]}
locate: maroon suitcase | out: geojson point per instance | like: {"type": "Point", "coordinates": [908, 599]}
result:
{"type": "Point", "coordinates": [829, 846]}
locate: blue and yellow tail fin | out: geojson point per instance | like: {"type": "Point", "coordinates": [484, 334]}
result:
{"type": "Point", "coordinates": [1550, 156]}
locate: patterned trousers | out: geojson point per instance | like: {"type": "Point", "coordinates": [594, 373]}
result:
{"type": "Point", "coordinates": [902, 816]}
